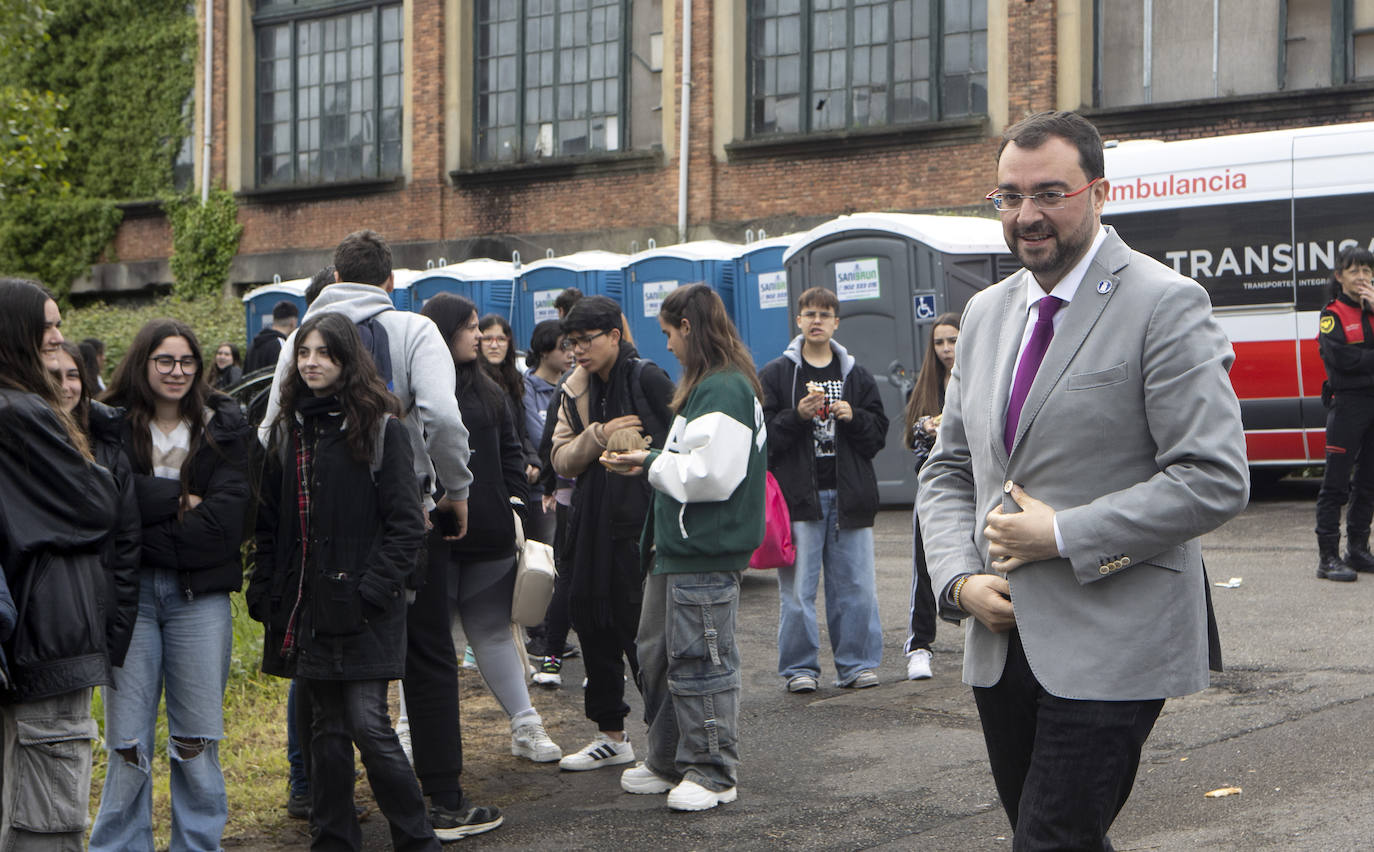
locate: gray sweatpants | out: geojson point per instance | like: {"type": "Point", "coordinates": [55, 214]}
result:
{"type": "Point", "coordinates": [690, 676]}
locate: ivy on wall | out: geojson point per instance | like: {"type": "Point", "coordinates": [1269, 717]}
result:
{"type": "Point", "coordinates": [119, 74]}
{"type": "Point", "coordinates": [205, 238]}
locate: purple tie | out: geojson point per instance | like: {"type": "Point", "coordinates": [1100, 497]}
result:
{"type": "Point", "coordinates": [1041, 334]}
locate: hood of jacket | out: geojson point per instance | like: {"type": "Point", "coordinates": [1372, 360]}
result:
{"type": "Point", "coordinates": [793, 353]}
{"type": "Point", "coordinates": [358, 302]}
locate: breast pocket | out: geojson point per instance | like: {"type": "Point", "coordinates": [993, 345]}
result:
{"type": "Point", "coordinates": [1099, 378]}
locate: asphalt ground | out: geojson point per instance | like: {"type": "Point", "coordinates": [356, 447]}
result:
{"type": "Point", "coordinates": [903, 766]}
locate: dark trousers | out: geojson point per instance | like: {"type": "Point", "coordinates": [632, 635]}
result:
{"type": "Point", "coordinates": [431, 683]}
{"type": "Point", "coordinates": [1063, 768]}
{"type": "Point", "coordinates": [1349, 448]}
{"type": "Point", "coordinates": [607, 647]}
{"type": "Point", "coordinates": [922, 616]}
{"type": "Point", "coordinates": [349, 712]}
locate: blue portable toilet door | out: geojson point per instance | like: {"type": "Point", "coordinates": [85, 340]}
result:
{"type": "Point", "coordinates": [763, 310]}
{"type": "Point", "coordinates": [874, 278]}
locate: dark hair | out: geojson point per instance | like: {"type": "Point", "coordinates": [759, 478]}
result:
{"type": "Point", "coordinates": [284, 310]}
{"type": "Point", "coordinates": [214, 365]}
{"type": "Point", "coordinates": [713, 345]}
{"type": "Point", "coordinates": [82, 413]}
{"type": "Point", "coordinates": [97, 345]}
{"type": "Point", "coordinates": [1032, 132]}
{"type": "Point", "coordinates": [593, 313]}
{"type": "Point", "coordinates": [564, 301]}
{"type": "Point", "coordinates": [90, 355]}
{"type": "Point", "coordinates": [819, 297]}
{"type": "Point", "coordinates": [22, 324]}
{"type": "Point", "coordinates": [362, 393]}
{"type": "Point", "coordinates": [364, 258]}
{"type": "Point", "coordinates": [450, 313]}
{"type": "Point", "coordinates": [930, 383]}
{"type": "Point", "coordinates": [505, 373]}
{"type": "Point", "coordinates": [129, 388]}
{"type": "Point", "coordinates": [318, 282]}
{"type": "Point", "coordinates": [1349, 256]}
{"type": "Point", "coordinates": [544, 340]}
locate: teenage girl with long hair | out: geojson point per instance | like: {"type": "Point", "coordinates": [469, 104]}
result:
{"type": "Point", "coordinates": [188, 446]}
{"type": "Point", "coordinates": [482, 563]}
{"type": "Point", "coordinates": [498, 356]}
{"type": "Point", "coordinates": [922, 418]}
{"type": "Point", "coordinates": [57, 508]}
{"type": "Point", "coordinates": [705, 521]}
{"type": "Point", "coordinates": [338, 533]}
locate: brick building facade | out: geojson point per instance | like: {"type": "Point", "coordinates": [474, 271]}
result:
{"type": "Point", "coordinates": [768, 148]}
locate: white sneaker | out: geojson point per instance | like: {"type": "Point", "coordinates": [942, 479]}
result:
{"type": "Point", "coordinates": [641, 779]}
{"type": "Point", "coordinates": [918, 664]}
{"type": "Point", "coordinates": [602, 751]}
{"type": "Point", "coordinates": [530, 740]}
{"type": "Point", "coordinates": [691, 796]}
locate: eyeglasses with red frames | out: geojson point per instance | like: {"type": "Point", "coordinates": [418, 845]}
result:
{"type": "Point", "coordinates": [1050, 199]}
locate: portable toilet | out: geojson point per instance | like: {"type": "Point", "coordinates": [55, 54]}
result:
{"type": "Point", "coordinates": [259, 302]}
{"type": "Point", "coordinates": [653, 274]}
{"type": "Point", "coordinates": [893, 274]}
{"type": "Point", "coordinates": [537, 284]}
{"type": "Point", "coordinates": [762, 307]}
{"type": "Point", "coordinates": [488, 283]}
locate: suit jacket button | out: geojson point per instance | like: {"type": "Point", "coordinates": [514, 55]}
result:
{"type": "Point", "coordinates": [1125, 560]}
{"type": "Point", "coordinates": [1104, 570]}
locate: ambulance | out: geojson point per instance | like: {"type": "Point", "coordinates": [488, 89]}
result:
{"type": "Point", "coordinates": [1257, 219]}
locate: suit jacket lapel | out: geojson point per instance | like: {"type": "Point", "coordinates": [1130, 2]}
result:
{"type": "Point", "coordinates": [1082, 314]}
{"type": "Point", "coordinates": [1008, 347]}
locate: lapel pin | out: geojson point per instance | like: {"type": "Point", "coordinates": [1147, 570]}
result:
{"type": "Point", "coordinates": [1104, 286]}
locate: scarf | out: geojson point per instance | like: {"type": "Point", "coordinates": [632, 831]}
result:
{"type": "Point", "coordinates": [304, 431]}
{"type": "Point", "coordinates": [606, 507]}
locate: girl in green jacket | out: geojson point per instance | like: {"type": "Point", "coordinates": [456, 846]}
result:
{"type": "Point", "coordinates": [705, 521]}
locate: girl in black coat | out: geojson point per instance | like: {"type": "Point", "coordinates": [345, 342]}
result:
{"type": "Point", "coordinates": [188, 448]}
{"type": "Point", "coordinates": [57, 510]}
{"type": "Point", "coordinates": [338, 532]}
{"type": "Point", "coordinates": [482, 563]}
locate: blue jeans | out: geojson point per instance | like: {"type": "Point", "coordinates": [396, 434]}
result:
{"type": "Point", "coordinates": [690, 676]}
{"type": "Point", "coordinates": [851, 598]}
{"type": "Point", "coordinates": [184, 645]}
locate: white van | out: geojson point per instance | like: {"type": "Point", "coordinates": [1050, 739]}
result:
{"type": "Point", "coordinates": [1257, 219]}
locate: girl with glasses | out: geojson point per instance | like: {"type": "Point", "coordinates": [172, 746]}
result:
{"type": "Point", "coordinates": [498, 357]}
{"type": "Point", "coordinates": [188, 447]}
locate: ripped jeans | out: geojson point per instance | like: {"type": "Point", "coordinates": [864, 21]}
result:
{"type": "Point", "coordinates": [689, 670]}
{"type": "Point", "coordinates": [183, 646]}
{"type": "Point", "coordinates": [45, 773]}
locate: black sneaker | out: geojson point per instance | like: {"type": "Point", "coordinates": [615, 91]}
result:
{"type": "Point", "coordinates": [298, 806]}
{"type": "Point", "coordinates": [468, 820]}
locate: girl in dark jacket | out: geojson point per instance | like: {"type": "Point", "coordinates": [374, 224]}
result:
{"type": "Point", "coordinates": [338, 532]}
{"type": "Point", "coordinates": [188, 448]}
{"type": "Point", "coordinates": [57, 509]}
{"type": "Point", "coordinates": [103, 427]}
{"type": "Point", "coordinates": [483, 561]}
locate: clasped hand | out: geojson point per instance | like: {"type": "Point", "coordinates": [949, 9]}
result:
{"type": "Point", "coordinates": [1015, 538]}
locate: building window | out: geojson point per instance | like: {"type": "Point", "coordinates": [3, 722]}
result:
{"type": "Point", "coordinates": [328, 92]}
{"type": "Point", "coordinates": [550, 78]}
{"type": "Point", "coordinates": [837, 64]}
{"type": "Point", "coordinates": [1175, 50]}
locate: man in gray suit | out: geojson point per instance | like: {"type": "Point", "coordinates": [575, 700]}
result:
{"type": "Point", "coordinates": [1090, 436]}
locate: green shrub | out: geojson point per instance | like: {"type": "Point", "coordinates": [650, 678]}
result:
{"type": "Point", "coordinates": [213, 319]}
{"type": "Point", "coordinates": [205, 238]}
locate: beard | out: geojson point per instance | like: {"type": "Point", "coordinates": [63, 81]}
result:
{"type": "Point", "coordinates": [1043, 261]}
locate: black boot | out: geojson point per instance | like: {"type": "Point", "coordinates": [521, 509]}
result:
{"type": "Point", "coordinates": [1330, 566]}
{"type": "Point", "coordinates": [1359, 556]}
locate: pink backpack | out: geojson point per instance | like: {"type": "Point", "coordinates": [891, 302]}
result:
{"type": "Point", "coordinates": [776, 551]}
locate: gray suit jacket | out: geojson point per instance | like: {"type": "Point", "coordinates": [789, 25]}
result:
{"type": "Point", "coordinates": [1132, 433]}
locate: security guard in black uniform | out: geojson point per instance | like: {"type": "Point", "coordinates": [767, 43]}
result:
{"type": "Point", "coordinates": [1346, 339]}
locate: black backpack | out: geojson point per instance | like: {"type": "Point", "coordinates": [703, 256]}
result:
{"type": "Point", "coordinates": [376, 342]}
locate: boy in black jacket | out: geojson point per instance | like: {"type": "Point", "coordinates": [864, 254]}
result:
{"type": "Point", "coordinates": [825, 425]}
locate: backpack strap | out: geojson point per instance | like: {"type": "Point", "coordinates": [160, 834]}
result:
{"type": "Point", "coordinates": [379, 445]}
{"type": "Point", "coordinates": [639, 401]}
